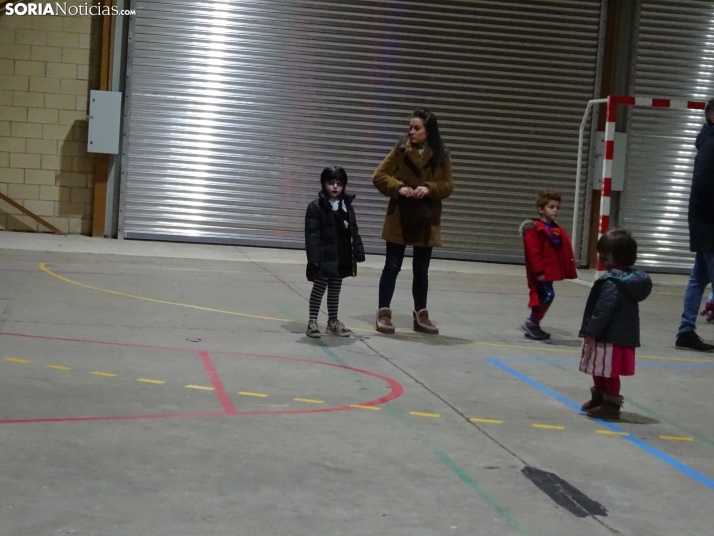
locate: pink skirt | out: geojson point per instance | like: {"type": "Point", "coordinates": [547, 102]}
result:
{"type": "Point", "coordinates": [608, 360]}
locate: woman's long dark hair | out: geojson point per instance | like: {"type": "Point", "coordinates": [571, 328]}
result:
{"type": "Point", "coordinates": [433, 138]}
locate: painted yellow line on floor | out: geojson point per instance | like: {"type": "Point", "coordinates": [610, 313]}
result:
{"type": "Point", "coordinates": [201, 387]}
{"type": "Point", "coordinates": [420, 414]}
{"type": "Point", "coordinates": [675, 438]}
{"type": "Point", "coordinates": [546, 347]}
{"type": "Point", "coordinates": [146, 380]}
{"type": "Point", "coordinates": [165, 302]}
{"type": "Point", "coordinates": [16, 360]}
{"type": "Point", "coordinates": [107, 374]}
{"type": "Point", "coordinates": [58, 367]}
{"type": "Point", "coordinates": [549, 427]}
{"type": "Point", "coordinates": [246, 393]}
{"type": "Point", "coordinates": [375, 408]}
{"type": "Point", "coordinates": [308, 400]}
{"type": "Point", "coordinates": [489, 421]}
{"type": "Point", "coordinates": [610, 432]}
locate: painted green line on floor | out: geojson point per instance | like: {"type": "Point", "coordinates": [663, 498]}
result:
{"type": "Point", "coordinates": [501, 511]}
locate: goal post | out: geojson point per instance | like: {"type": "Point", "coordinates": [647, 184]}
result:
{"type": "Point", "coordinates": [609, 150]}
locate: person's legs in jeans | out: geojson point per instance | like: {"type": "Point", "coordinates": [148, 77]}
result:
{"type": "Point", "coordinates": [420, 283]}
{"type": "Point", "coordinates": [702, 274]}
{"type": "Point", "coordinates": [392, 266]}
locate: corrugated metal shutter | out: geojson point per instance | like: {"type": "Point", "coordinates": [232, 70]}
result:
{"type": "Point", "coordinates": [675, 58]}
{"type": "Point", "coordinates": [235, 108]}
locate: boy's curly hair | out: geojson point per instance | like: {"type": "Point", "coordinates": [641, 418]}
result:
{"type": "Point", "coordinates": [545, 196]}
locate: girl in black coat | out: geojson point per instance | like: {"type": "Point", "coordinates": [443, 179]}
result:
{"type": "Point", "coordinates": [611, 323]}
{"type": "Point", "coordinates": [333, 248]}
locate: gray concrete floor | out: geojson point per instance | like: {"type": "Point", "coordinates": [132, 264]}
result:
{"type": "Point", "coordinates": [113, 454]}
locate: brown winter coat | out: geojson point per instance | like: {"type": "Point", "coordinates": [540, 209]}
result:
{"type": "Point", "coordinates": [403, 166]}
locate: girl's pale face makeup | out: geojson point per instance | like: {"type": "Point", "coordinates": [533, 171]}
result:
{"type": "Point", "coordinates": [334, 188]}
{"type": "Point", "coordinates": [417, 132]}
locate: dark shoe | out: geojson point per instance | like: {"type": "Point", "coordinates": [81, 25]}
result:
{"type": "Point", "coordinates": [312, 330]}
{"type": "Point", "coordinates": [422, 323]}
{"type": "Point", "coordinates": [335, 327]}
{"type": "Point", "coordinates": [533, 331]}
{"type": "Point", "coordinates": [384, 321]}
{"type": "Point", "coordinates": [609, 410]}
{"type": "Point", "coordinates": [595, 400]}
{"type": "Point", "coordinates": [689, 340]}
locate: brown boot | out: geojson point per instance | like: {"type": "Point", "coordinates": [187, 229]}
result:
{"type": "Point", "coordinates": [384, 321]}
{"type": "Point", "coordinates": [423, 324]}
{"type": "Point", "coordinates": [595, 400]}
{"type": "Point", "coordinates": [609, 410]}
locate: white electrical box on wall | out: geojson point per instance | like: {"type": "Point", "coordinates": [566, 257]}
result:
{"type": "Point", "coordinates": [618, 161]}
{"type": "Point", "coordinates": [104, 122]}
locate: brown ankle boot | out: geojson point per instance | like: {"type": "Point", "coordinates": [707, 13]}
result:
{"type": "Point", "coordinates": [423, 324]}
{"type": "Point", "coordinates": [384, 321]}
{"type": "Point", "coordinates": [609, 410]}
{"type": "Point", "coordinates": [595, 400]}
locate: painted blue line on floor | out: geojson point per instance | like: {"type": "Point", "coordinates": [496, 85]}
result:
{"type": "Point", "coordinates": [708, 482]}
{"type": "Point", "coordinates": [576, 359]}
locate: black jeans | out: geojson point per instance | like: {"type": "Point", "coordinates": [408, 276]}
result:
{"type": "Point", "coordinates": [392, 267]}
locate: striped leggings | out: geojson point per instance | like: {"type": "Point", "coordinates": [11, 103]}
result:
{"type": "Point", "coordinates": [333, 286]}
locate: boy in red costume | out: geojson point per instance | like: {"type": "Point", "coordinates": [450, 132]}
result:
{"type": "Point", "coordinates": [549, 257]}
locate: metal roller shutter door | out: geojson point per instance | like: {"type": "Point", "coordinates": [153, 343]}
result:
{"type": "Point", "coordinates": [675, 58]}
{"type": "Point", "coordinates": [235, 108]}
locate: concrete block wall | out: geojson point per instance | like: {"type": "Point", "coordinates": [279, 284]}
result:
{"type": "Point", "coordinates": [48, 64]}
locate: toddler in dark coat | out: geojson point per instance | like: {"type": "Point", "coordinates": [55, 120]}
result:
{"type": "Point", "coordinates": [611, 323]}
{"type": "Point", "coordinates": [333, 246]}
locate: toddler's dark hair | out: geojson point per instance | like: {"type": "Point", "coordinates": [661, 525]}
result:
{"type": "Point", "coordinates": [545, 197]}
{"type": "Point", "coordinates": [618, 246]}
{"type": "Point", "coordinates": [333, 173]}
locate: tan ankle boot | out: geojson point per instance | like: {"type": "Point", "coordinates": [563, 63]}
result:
{"type": "Point", "coordinates": [595, 400]}
{"type": "Point", "coordinates": [384, 321]}
{"type": "Point", "coordinates": [423, 324]}
{"type": "Point", "coordinates": [609, 410]}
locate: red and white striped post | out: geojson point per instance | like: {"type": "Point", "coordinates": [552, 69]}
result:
{"type": "Point", "coordinates": [609, 150]}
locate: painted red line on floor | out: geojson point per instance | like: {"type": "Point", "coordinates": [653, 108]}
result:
{"type": "Point", "coordinates": [220, 391]}
{"type": "Point", "coordinates": [114, 418]}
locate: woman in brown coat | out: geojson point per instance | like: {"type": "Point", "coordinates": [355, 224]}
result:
{"type": "Point", "coordinates": [416, 175]}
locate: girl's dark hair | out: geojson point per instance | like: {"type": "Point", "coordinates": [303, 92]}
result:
{"type": "Point", "coordinates": [433, 138]}
{"type": "Point", "coordinates": [333, 173]}
{"type": "Point", "coordinates": [619, 246]}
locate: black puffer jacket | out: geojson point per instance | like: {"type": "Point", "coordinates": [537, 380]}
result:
{"type": "Point", "coordinates": [612, 313]}
{"type": "Point", "coordinates": [701, 198]}
{"type": "Point", "coordinates": [322, 240]}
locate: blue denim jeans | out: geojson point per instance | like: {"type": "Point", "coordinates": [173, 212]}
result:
{"type": "Point", "coordinates": [702, 275]}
